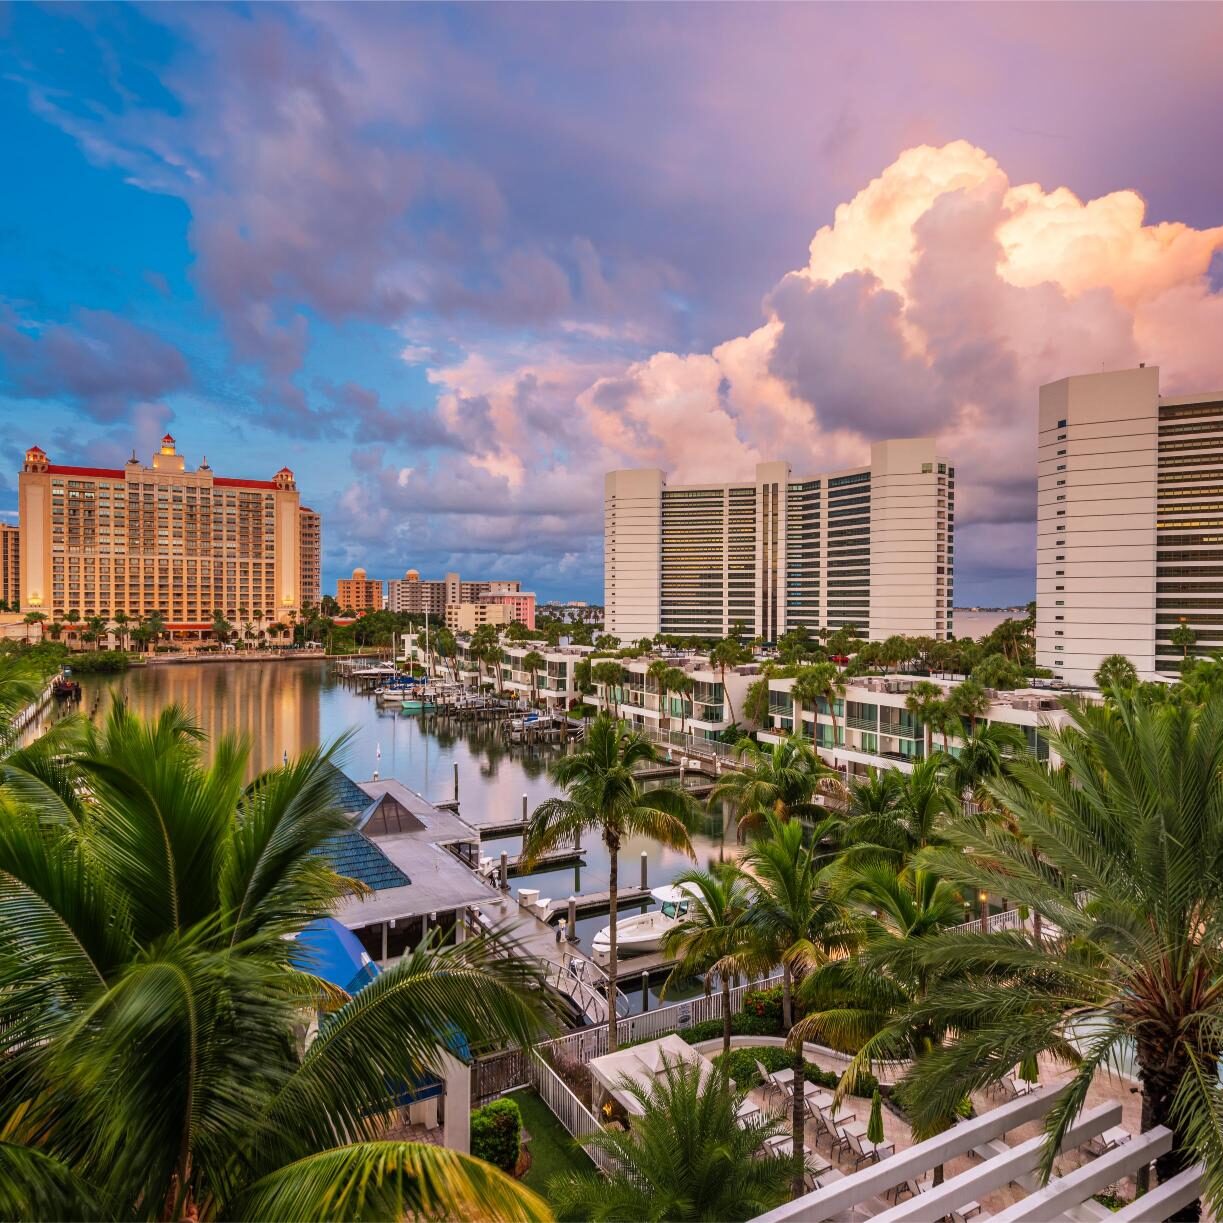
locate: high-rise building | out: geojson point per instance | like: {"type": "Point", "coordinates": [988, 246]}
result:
{"type": "Point", "coordinates": [872, 546]}
{"type": "Point", "coordinates": [141, 539]}
{"type": "Point", "coordinates": [1129, 524]}
{"type": "Point", "coordinates": [359, 593]}
{"type": "Point", "coordinates": [311, 557]}
{"type": "Point", "coordinates": [10, 565]}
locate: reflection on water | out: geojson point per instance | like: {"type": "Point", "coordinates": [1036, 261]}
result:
{"type": "Point", "coordinates": [287, 706]}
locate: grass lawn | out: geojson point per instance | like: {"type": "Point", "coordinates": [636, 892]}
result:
{"type": "Point", "coordinates": [552, 1149]}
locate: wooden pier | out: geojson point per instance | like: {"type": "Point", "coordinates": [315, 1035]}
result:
{"type": "Point", "coordinates": [598, 902]}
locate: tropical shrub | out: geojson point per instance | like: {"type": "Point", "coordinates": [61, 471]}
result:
{"type": "Point", "coordinates": [496, 1133]}
{"type": "Point", "coordinates": [740, 1064]}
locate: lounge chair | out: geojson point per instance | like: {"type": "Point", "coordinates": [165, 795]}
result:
{"type": "Point", "coordinates": [866, 1152]}
{"type": "Point", "coordinates": [912, 1188]}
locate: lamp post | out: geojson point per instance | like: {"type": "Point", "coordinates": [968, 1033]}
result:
{"type": "Point", "coordinates": [982, 898]}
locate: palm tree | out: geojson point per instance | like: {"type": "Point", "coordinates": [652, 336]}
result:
{"type": "Point", "coordinates": [706, 938]}
{"type": "Point", "coordinates": [532, 661]}
{"type": "Point", "coordinates": [969, 701]}
{"type": "Point", "coordinates": [922, 802]}
{"type": "Point", "coordinates": [151, 1032]}
{"type": "Point", "coordinates": [155, 625]}
{"type": "Point", "coordinates": [657, 671]}
{"type": "Point", "coordinates": [822, 681]}
{"type": "Point", "coordinates": [678, 680]}
{"type": "Point", "coordinates": [1184, 637]}
{"type": "Point", "coordinates": [795, 921]}
{"type": "Point", "coordinates": [756, 699]}
{"type": "Point", "coordinates": [1134, 819]}
{"type": "Point", "coordinates": [864, 1001]}
{"type": "Point", "coordinates": [781, 780]}
{"type": "Point", "coordinates": [122, 620]}
{"type": "Point", "coordinates": [921, 701]}
{"type": "Point", "coordinates": [610, 674]}
{"type": "Point", "coordinates": [604, 795]}
{"type": "Point", "coordinates": [1116, 671]}
{"type": "Point", "coordinates": [981, 757]}
{"type": "Point", "coordinates": [96, 630]}
{"type": "Point", "coordinates": [728, 653]}
{"type": "Point", "coordinates": [30, 618]}
{"type": "Point", "coordinates": [686, 1157]}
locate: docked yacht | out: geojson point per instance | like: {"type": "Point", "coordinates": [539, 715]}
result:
{"type": "Point", "coordinates": [645, 931]}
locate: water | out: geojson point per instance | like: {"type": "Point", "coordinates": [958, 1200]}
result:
{"type": "Point", "coordinates": [288, 706]}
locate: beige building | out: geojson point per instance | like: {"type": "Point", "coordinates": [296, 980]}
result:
{"type": "Point", "coordinates": [359, 593]}
{"type": "Point", "coordinates": [872, 546]}
{"type": "Point", "coordinates": [467, 617]}
{"type": "Point", "coordinates": [10, 565]}
{"type": "Point", "coordinates": [159, 538]}
{"type": "Point", "coordinates": [1129, 523]}
{"type": "Point", "coordinates": [415, 595]}
{"type": "Point", "coordinates": [311, 557]}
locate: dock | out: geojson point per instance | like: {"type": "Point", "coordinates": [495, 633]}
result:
{"type": "Point", "coordinates": [598, 902]}
{"type": "Point", "coordinates": [565, 856]}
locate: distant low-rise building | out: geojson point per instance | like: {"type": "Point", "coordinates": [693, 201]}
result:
{"type": "Point", "coordinates": [359, 593]}
{"type": "Point", "coordinates": [519, 606]}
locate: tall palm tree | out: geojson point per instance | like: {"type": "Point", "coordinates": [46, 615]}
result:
{"type": "Point", "coordinates": [603, 794]}
{"type": "Point", "coordinates": [728, 653]}
{"type": "Point", "coordinates": [822, 681]}
{"type": "Point", "coordinates": [705, 940]}
{"type": "Point", "coordinates": [532, 661]}
{"type": "Point", "coordinates": [969, 701]}
{"type": "Point", "coordinates": [864, 1001]}
{"type": "Point", "coordinates": [782, 780]}
{"type": "Point", "coordinates": [686, 1157]}
{"type": "Point", "coordinates": [151, 1003]}
{"type": "Point", "coordinates": [32, 618]}
{"type": "Point", "coordinates": [922, 701]}
{"type": "Point", "coordinates": [1134, 819]}
{"type": "Point", "coordinates": [793, 920]}
{"type": "Point", "coordinates": [678, 680]}
{"type": "Point", "coordinates": [657, 671]}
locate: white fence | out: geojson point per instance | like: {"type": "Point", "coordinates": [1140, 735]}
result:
{"type": "Point", "coordinates": [565, 1106]}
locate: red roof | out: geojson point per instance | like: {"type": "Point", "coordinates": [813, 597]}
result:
{"type": "Point", "coordinates": [108, 473]}
{"type": "Point", "coordinates": [227, 482]}
{"type": "Point", "coordinates": [168, 439]}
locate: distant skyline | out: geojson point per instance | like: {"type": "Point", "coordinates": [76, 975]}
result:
{"type": "Point", "coordinates": [451, 263]}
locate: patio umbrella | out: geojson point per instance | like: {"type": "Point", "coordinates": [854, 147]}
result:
{"type": "Point", "coordinates": [874, 1127]}
{"type": "Point", "coordinates": [1029, 1072]}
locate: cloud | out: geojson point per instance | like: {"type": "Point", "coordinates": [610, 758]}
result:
{"type": "Point", "coordinates": [97, 360]}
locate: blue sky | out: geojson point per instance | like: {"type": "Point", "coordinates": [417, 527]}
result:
{"type": "Point", "coordinates": [452, 263]}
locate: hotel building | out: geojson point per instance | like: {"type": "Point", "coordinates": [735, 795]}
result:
{"type": "Point", "coordinates": [140, 539]}
{"type": "Point", "coordinates": [1129, 523]}
{"type": "Point", "coordinates": [311, 557]}
{"type": "Point", "coordinates": [359, 593]}
{"type": "Point", "coordinates": [871, 546]}
{"type": "Point", "coordinates": [10, 565]}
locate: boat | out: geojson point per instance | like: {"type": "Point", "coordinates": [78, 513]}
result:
{"type": "Point", "coordinates": [645, 931]}
{"type": "Point", "coordinates": [419, 704]}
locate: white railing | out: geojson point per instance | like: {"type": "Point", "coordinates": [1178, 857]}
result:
{"type": "Point", "coordinates": [591, 1042]}
{"type": "Point", "coordinates": [565, 1106]}
{"type": "Point", "coordinates": [1009, 919]}
{"type": "Point", "coordinates": [693, 745]}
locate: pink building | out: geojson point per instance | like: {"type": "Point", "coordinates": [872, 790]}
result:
{"type": "Point", "coordinates": [521, 606]}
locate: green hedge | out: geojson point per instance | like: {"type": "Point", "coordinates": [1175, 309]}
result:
{"type": "Point", "coordinates": [496, 1133]}
{"type": "Point", "coordinates": [741, 1066]}
{"type": "Point", "coordinates": [98, 660]}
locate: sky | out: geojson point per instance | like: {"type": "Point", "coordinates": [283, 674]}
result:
{"type": "Point", "coordinates": [453, 263]}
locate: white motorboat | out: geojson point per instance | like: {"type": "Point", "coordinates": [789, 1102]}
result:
{"type": "Point", "coordinates": [645, 931]}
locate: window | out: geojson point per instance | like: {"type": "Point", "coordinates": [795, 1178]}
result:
{"type": "Point", "coordinates": [1059, 573]}
{"type": "Point", "coordinates": [1059, 603]}
{"type": "Point", "coordinates": [1062, 496]}
{"type": "Point", "coordinates": [1059, 617]}
{"type": "Point", "coordinates": [1060, 484]}
{"type": "Point", "coordinates": [1060, 467]}
{"type": "Point", "coordinates": [1059, 588]}
{"type": "Point", "coordinates": [1057, 632]}
{"type": "Point", "coordinates": [1059, 557]}
{"type": "Point", "coordinates": [1061, 424]}
{"type": "Point", "coordinates": [927, 468]}
{"type": "Point", "coordinates": [1061, 437]}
